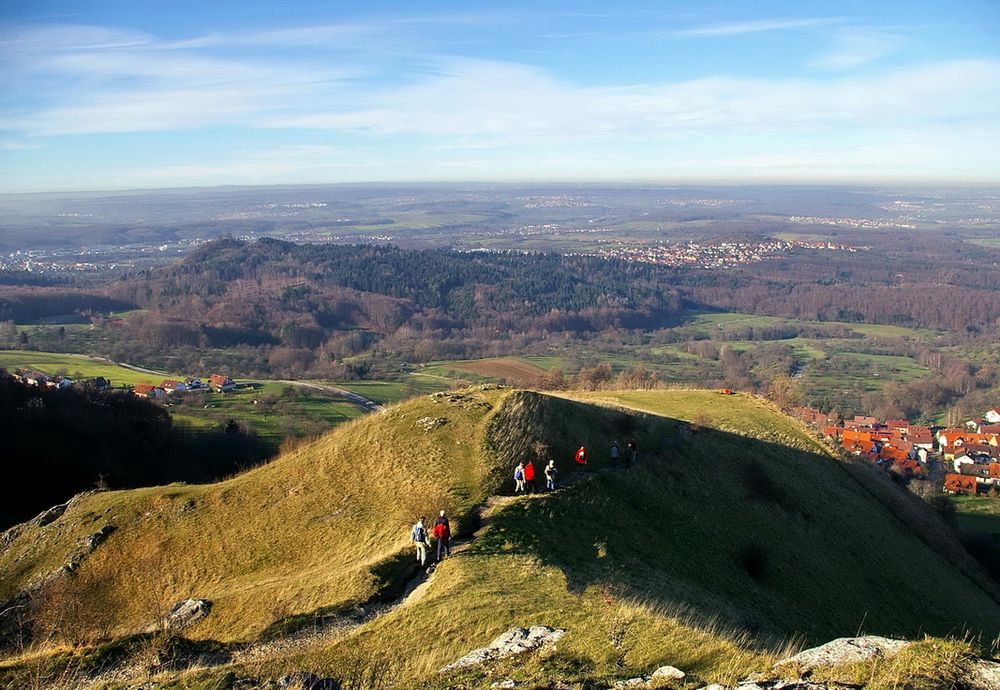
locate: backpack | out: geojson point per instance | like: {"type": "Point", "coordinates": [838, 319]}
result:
{"type": "Point", "coordinates": [419, 535]}
{"type": "Point", "coordinates": [518, 475]}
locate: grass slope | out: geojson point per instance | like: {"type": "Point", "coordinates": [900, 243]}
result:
{"type": "Point", "coordinates": [746, 526]}
{"type": "Point", "coordinates": [737, 531]}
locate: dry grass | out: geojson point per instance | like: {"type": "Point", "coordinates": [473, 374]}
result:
{"type": "Point", "coordinates": [301, 533]}
{"type": "Point", "coordinates": [641, 567]}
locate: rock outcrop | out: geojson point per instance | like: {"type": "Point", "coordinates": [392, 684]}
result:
{"type": "Point", "coordinates": [514, 641]}
{"type": "Point", "coordinates": [843, 650]}
{"type": "Point", "coordinates": [662, 675]}
{"type": "Point", "coordinates": [186, 613]}
{"type": "Point", "coordinates": [984, 675]}
{"type": "Point", "coordinates": [429, 424]}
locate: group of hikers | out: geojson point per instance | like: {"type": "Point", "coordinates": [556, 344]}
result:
{"type": "Point", "coordinates": [524, 483]}
{"type": "Point", "coordinates": [421, 538]}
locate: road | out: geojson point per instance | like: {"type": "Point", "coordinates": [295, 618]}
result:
{"type": "Point", "coordinates": [351, 396]}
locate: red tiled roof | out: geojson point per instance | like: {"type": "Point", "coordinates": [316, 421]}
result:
{"type": "Point", "coordinates": [958, 483]}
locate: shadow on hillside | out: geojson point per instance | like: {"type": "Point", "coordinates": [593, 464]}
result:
{"type": "Point", "coordinates": [755, 534]}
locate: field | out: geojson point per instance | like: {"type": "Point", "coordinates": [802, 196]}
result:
{"type": "Point", "coordinates": [988, 242]}
{"type": "Point", "coordinates": [387, 392]}
{"type": "Point", "coordinates": [519, 371]}
{"type": "Point", "coordinates": [978, 514]}
{"type": "Point", "coordinates": [720, 320]}
{"type": "Point", "coordinates": [77, 366]}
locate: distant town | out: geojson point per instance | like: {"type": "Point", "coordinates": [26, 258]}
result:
{"type": "Point", "coordinates": [712, 254]}
{"type": "Point", "coordinates": [961, 460]}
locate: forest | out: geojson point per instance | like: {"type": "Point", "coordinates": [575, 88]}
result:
{"type": "Point", "coordinates": [272, 308]}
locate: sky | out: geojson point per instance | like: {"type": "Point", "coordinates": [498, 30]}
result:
{"type": "Point", "coordinates": [124, 94]}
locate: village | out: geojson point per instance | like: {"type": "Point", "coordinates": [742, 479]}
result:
{"type": "Point", "coordinates": [960, 460]}
{"type": "Point", "coordinates": [709, 255]}
{"type": "Point", "coordinates": [162, 392]}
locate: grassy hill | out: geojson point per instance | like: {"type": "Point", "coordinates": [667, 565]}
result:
{"type": "Point", "coordinates": [737, 532]}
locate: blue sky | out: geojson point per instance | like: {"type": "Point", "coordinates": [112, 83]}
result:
{"type": "Point", "coordinates": [108, 95]}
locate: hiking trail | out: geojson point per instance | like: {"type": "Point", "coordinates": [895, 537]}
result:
{"type": "Point", "coordinates": [327, 629]}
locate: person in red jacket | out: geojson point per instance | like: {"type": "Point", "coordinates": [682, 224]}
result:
{"type": "Point", "coordinates": [442, 532]}
{"type": "Point", "coordinates": [581, 457]}
{"type": "Point", "coordinates": [529, 477]}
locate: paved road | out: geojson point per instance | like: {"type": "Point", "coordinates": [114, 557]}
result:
{"type": "Point", "coordinates": [365, 403]}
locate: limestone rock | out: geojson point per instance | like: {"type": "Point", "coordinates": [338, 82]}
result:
{"type": "Point", "coordinates": [668, 673]}
{"type": "Point", "coordinates": [844, 650]}
{"type": "Point", "coordinates": [514, 641]}
{"type": "Point", "coordinates": [785, 685]}
{"type": "Point", "coordinates": [985, 675]}
{"type": "Point", "coordinates": [187, 612]}
{"type": "Point", "coordinates": [467, 401]}
{"type": "Point", "coordinates": [88, 545]}
{"type": "Point", "coordinates": [632, 683]}
{"type": "Point", "coordinates": [429, 424]}
{"type": "Point", "coordinates": [780, 685]}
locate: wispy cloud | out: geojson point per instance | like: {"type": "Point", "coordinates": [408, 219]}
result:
{"type": "Point", "coordinates": [855, 47]}
{"type": "Point", "coordinates": [421, 111]}
{"type": "Point", "coordinates": [758, 26]}
{"type": "Point", "coordinates": [498, 101]}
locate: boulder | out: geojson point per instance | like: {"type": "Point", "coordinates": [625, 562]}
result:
{"type": "Point", "coordinates": [186, 613]}
{"type": "Point", "coordinates": [844, 650]}
{"type": "Point", "coordinates": [984, 675]}
{"type": "Point", "coordinates": [668, 673]}
{"type": "Point", "coordinates": [514, 641]}
{"type": "Point", "coordinates": [784, 685]}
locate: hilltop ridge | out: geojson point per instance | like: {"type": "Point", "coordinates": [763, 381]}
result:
{"type": "Point", "coordinates": [737, 531]}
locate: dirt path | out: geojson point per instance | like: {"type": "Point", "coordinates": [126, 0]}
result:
{"type": "Point", "coordinates": [328, 630]}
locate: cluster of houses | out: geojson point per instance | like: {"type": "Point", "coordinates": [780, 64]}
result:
{"type": "Point", "coordinates": [33, 377]}
{"type": "Point", "coordinates": [170, 387]}
{"type": "Point", "coordinates": [971, 453]}
{"type": "Point", "coordinates": [216, 382]}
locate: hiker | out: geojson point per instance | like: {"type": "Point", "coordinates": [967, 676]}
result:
{"type": "Point", "coordinates": [550, 476]}
{"type": "Point", "coordinates": [418, 535]}
{"type": "Point", "coordinates": [633, 452]}
{"type": "Point", "coordinates": [519, 478]}
{"type": "Point", "coordinates": [581, 457]}
{"type": "Point", "coordinates": [615, 453]}
{"type": "Point", "coordinates": [442, 532]}
{"type": "Point", "coordinates": [529, 477]}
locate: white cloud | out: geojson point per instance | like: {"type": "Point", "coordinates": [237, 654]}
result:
{"type": "Point", "coordinates": [451, 115]}
{"type": "Point", "coordinates": [759, 26]}
{"type": "Point", "coordinates": [483, 100]}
